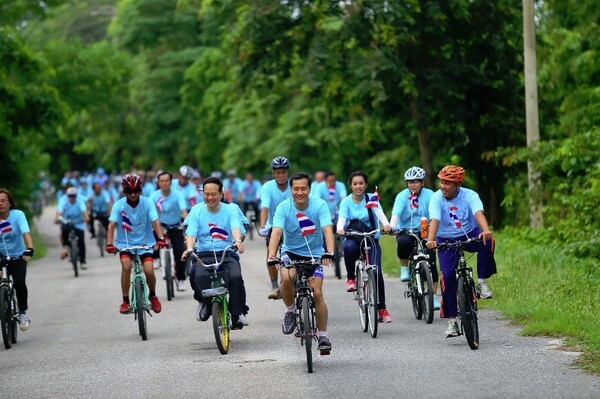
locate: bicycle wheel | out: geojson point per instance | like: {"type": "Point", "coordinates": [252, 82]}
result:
{"type": "Point", "coordinates": [220, 317]}
{"type": "Point", "coordinates": [360, 296]}
{"type": "Point", "coordinates": [427, 292]}
{"type": "Point", "coordinates": [307, 331]}
{"type": "Point", "coordinates": [5, 318]}
{"type": "Point", "coordinates": [415, 297]}
{"type": "Point", "coordinates": [14, 321]}
{"type": "Point", "coordinates": [166, 255]}
{"type": "Point", "coordinates": [468, 312]}
{"type": "Point", "coordinates": [74, 250]}
{"type": "Point", "coordinates": [140, 310]}
{"type": "Point", "coordinates": [101, 239]}
{"type": "Point", "coordinates": [371, 302]}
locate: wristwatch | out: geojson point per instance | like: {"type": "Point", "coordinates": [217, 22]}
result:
{"type": "Point", "coordinates": [240, 241]}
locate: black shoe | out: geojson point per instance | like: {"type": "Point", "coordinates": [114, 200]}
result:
{"type": "Point", "coordinates": [235, 323]}
{"type": "Point", "coordinates": [324, 346]}
{"type": "Point", "coordinates": [205, 311]}
{"type": "Point", "coordinates": [289, 323]}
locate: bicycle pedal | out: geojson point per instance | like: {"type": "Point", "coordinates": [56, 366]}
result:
{"type": "Point", "coordinates": [407, 294]}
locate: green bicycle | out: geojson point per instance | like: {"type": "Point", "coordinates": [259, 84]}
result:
{"type": "Point", "coordinates": [140, 304]}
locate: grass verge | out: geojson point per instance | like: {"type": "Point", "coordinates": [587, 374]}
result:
{"type": "Point", "coordinates": [542, 288]}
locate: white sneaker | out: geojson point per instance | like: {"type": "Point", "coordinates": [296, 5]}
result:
{"type": "Point", "coordinates": [24, 322]}
{"type": "Point", "coordinates": [156, 263]}
{"type": "Point", "coordinates": [483, 290]}
{"type": "Point", "coordinates": [180, 285]}
{"type": "Point", "coordinates": [452, 330]}
{"type": "Point", "coordinates": [243, 319]}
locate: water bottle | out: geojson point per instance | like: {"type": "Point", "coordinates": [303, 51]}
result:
{"type": "Point", "coordinates": [424, 227]}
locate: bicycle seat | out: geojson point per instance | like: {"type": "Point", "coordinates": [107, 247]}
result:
{"type": "Point", "coordinates": [212, 292]}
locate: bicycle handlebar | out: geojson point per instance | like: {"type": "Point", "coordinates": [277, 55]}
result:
{"type": "Point", "coordinates": [219, 263]}
{"type": "Point", "coordinates": [134, 248]}
{"type": "Point", "coordinates": [354, 233]}
{"type": "Point", "coordinates": [458, 244]}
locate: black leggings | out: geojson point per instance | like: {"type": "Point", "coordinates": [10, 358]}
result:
{"type": "Point", "coordinates": [17, 268]}
{"type": "Point", "coordinates": [80, 242]}
{"type": "Point", "coordinates": [405, 248]}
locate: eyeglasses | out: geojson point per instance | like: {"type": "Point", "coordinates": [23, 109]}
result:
{"type": "Point", "coordinates": [131, 192]}
{"type": "Point", "coordinates": [414, 181]}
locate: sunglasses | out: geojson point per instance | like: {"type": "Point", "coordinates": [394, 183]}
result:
{"type": "Point", "coordinates": [132, 192]}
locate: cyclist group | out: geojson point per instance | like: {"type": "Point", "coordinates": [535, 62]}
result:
{"type": "Point", "coordinates": [297, 218]}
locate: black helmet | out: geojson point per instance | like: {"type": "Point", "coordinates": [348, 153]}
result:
{"type": "Point", "coordinates": [280, 163]}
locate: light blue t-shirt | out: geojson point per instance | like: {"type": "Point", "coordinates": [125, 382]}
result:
{"type": "Point", "coordinates": [11, 231]}
{"type": "Point", "coordinates": [189, 192]}
{"type": "Point", "coordinates": [455, 215]}
{"type": "Point", "coordinates": [141, 218]}
{"type": "Point", "coordinates": [271, 196]}
{"type": "Point", "coordinates": [74, 212]}
{"type": "Point", "coordinates": [410, 210]}
{"type": "Point", "coordinates": [100, 201]}
{"type": "Point", "coordinates": [251, 190]}
{"type": "Point", "coordinates": [233, 188]}
{"type": "Point", "coordinates": [288, 218]}
{"type": "Point", "coordinates": [168, 207]}
{"type": "Point", "coordinates": [350, 210]}
{"type": "Point", "coordinates": [148, 189]}
{"type": "Point", "coordinates": [333, 201]}
{"type": "Point", "coordinates": [64, 198]}
{"type": "Point", "coordinates": [207, 238]}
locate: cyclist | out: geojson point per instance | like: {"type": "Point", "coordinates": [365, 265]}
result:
{"type": "Point", "coordinates": [272, 194]}
{"type": "Point", "coordinates": [318, 179]}
{"type": "Point", "coordinates": [75, 210]}
{"type": "Point", "coordinates": [362, 212]}
{"type": "Point", "coordinates": [134, 218]}
{"type": "Point", "coordinates": [299, 221]}
{"type": "Point", "coordinates": [251, 194]}
{"type": "Point", "coordinates": [16, 242]}
{"type": "Point", "coordinates": [410, 206]}
{"type": "Point", "coordinates": [232, 187]}
{"type": "Point", "coordinates": [332, 192]}
{"type": "Point", "coordinates": [171, 209]}
{"type": "Point", "coordinates": [183, 185]}
{"type": "Point", "coordinates": [457, 213]}
{"type": "Point", "coordinates": [99, 205]}
{"type": "Point", "coordinates": [211, 227]}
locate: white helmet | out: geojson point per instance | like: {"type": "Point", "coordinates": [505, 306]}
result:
{"type": "Point", "coordinates": [186, 171]}
{"type": "Point", "coordinates": [414, 173]}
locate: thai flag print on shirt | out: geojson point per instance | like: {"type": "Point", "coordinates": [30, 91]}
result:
{"type": "Point", "coordinates": [453, 216]}
{"type": "Point", "coordinates": [126, 223]}
{"type": "Point", "coordinates": [373, 200]}
{"type": "Point", "coordinates": [5, 226]}
{"type": "Point", "coordinates": [331, 193]}
{"type": "Point", "coordinates": [159, 203]}
{"type": "Point", "coordinates": [413, 201]}
{"type": "Point", "coordinates": [306, 225]}
{"type": "Point", "coordinates": [217, 232]}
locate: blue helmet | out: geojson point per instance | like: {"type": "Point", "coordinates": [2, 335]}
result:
{"type": "Point", "coordinates": [280, 163]}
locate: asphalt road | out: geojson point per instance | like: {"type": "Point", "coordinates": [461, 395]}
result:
{"type": "Point", "coordinates": [79, 346]}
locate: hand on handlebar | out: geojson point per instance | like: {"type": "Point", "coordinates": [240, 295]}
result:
{"type": "Point", "coordinates": [327, 258]}
{"type": "Point", "coordinates": [431, 244]}
{"type": "Point", "coordinates": [111, 249]}
{"type": "Point", "coordinates": [273, 261]}
{"type": "Point", "coordinates": [263, 231]}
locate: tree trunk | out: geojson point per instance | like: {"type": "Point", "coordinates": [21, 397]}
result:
{"type": "Point", "coordinates": [424, 148]}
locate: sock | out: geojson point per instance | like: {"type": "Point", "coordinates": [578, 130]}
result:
{"type": "Point", "coordinates": [126, 299]}
{"type": "Point", "coordinates": [291, 308]}
{"type": "Point", "coordinates": [152, 294]}
{"type": "Point", "coordinates": [481, 280]}
{"type": "Point", "coordinates": [274, 283]}
{"type": "Point", "coordinates": [322, 334]}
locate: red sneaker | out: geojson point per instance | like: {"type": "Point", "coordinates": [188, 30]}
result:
{"type": "Point", "coordinates": [351, 285]}
{"type": "Point", "coordinates": [125, 308]}
{"type": "Point", "coordinates": [155, 304]}
{"type": "Point", "coordinates": [384, 316]}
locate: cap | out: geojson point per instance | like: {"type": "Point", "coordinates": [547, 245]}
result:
{"type": "Point", "coordinates": [71, 191]}
{"type": "Point", "coordinates": [231, 172]}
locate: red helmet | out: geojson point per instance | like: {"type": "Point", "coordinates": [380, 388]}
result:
{"type": "Point", "coordinates": [452, 173]}
{"type": "Point", "coordinates": [131, 183]}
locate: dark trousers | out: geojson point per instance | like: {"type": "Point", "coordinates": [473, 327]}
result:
{"type": "Point", "coordinates": [351, 255]}
{"type": "Point", "coordinates": [230, 271]}
{"type": "Point", "coordinates": [80, 241]}
{"type": "Point", "coordinates": [17, 268]}
{"type": "Point", "coordinates": [102, 217]}
{"type": "Point", "coordinates": [404, 251]}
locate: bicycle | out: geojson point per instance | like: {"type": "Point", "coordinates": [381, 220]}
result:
{"type": "Point", "coordinates": [306, 327]}
{"type": "Point", "coordinates": [8, 305]}
{"type": "Point", "coordinates": [100, 234]}
{"type": "Point", "coordinates": [338, 253]}
{"type": "Point", "coordinates": [466, 292]}
{"type": "Point", "coordinates": [166, 260]}
{"type": "Point", "coordinates": [366, 283]}
{"type": "Point", "coordinates": [140, 304]}
{"type": "Point", "coordinates": [420, 286]}
{"type": "Point", "coordinates": [218, 294]}
{"type": "Point", "coordinates": [73, 241]}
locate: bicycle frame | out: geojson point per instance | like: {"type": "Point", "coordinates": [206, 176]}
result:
{"type": "Point", "coordinates": [138, 274]}
{"type": "Point", "coordinates": [11, 324]}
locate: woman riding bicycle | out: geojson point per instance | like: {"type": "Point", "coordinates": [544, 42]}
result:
{"type": "Point", "coordinates": [410, 206]}
{"type": "Point", "coordinates": [75, 211]}
{"type": "Point", "coordinates": [354, 209]}
{"type": "Point", "coordinates": [457, 213]}
{"type": "Point", "coordinates": [15, 236]}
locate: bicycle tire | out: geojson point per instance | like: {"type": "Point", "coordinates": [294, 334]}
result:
{"type": "Point", "coordinates": [221, 325]}
{"type": "Point", "coordinates": [140, 308]}
{"type": "Point", "coordinates": [307, 331]}
{"type": "Point", "coordinates": [74, 250]}
{"type": "Point", "coordinates": [5, 318]}
{"type": "Point", "coordinates": [427, 290]}
{"type": "Point", "coordinates": [360, 296]}
{"type": "Point", "coordinates": [415, 297]}
{"type": "Point", "coordinates": [468, 312]}
{"type": "Point", "coordinates": [337, 258]}
{"type": "Point", "coordinates": [373, 317]}
{"type": "Point", "coordinates": [168, 273]}
{"type": "Point", "coordinates": [14, 321]}
{"type": "Point", "coordinates": [101, 239]}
